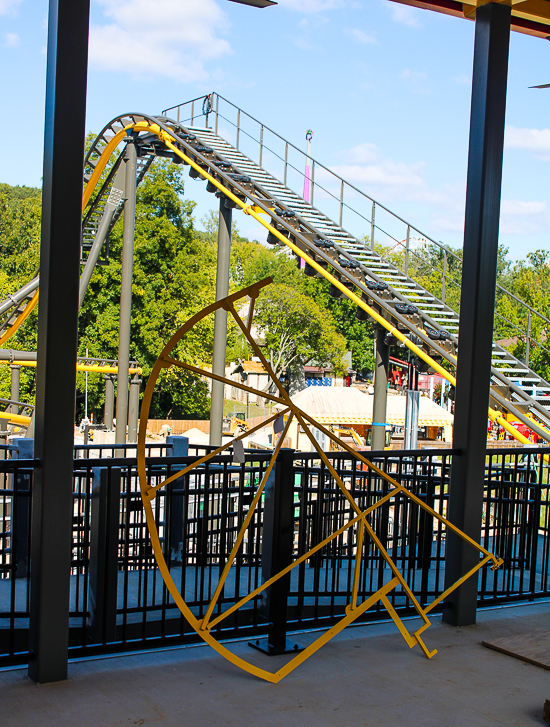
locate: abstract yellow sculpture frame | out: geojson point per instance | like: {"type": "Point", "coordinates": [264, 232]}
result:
{"type": "Point", "coordinates": [354, 609]}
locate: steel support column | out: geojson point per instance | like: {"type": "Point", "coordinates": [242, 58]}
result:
{"type": "Point", "coordinates": [52, 501]}
{"type": "Point", "coordinates": [220, 323]}
{"type": "Point", "coordinates": [126, 292]}
{"type": "Point", "coordinates": [133, 411]}
{"type": "Point", "coordinates": [380, 402]}
{"type": "Point", "coordinates": [109, 401]}
{"type": "Point", "coordinates": [479, 270]}
{"type": "Point", "coordinates": [15, 386]}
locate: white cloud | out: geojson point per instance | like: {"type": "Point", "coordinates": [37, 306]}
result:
{"type": "Point", "coordinates": [415, 79]}
{"type": "Point", "coordinates": [366, 166]}
{"type": "Point", "coordinates": [9, 7]}
{"type": "Point", "coordinates": [171, 38]}
{"type": "Point", "coordinates": [405, 15]}
{"type": "Point", "coordinates": [361, 36]}
{"type": "Point", "coordinates": [11, 40]}
{"type": "Point", "coordinates": [517, 207]}
{"type": "Point", "coordinates": [536, 141]}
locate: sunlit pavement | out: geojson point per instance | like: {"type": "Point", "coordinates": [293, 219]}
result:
{"type": "Point", "coordinates": [365, 676]}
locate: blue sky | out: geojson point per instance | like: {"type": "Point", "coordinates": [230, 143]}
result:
{"type": "Point", "coordinates": [385, 88]}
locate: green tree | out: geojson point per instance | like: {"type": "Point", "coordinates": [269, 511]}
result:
{"type": "Point", "coordinates": [295, 331]}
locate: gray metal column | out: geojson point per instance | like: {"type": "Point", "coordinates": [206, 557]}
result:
{"type": "Point", "coordinates": [220, 323]}
{"type": "Point", "coordinates": [410, 439]}
{"type": "Point", "coordinates": [133, 411]}
{"type": "Point", "coordinates": [15, 387]}
{"type": "Point", "coordinates": [126, 291]}
{"type": "Point", "coordinates": [379, 406]}
{"type": "Point", "coordinates": [479, 269]}
{"type": "Point", "coordinates": [52, 501]}
{"type": "Point", "coordinates": [109, 401]}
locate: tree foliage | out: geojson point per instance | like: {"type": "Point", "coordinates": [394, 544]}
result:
{"type": "Point", "coordinates": [296, 331]}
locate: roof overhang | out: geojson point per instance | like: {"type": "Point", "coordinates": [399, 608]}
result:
{"type": "Point", "coordinates": [528, 16]}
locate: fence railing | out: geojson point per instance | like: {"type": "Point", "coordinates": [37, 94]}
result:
{"type": "Point", "coordinates": [355, 211]}
{"type": "Point", "coordinates": [119, 601]}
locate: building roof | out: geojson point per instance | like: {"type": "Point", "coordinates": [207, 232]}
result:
{"type": "Point", "coordinates": [528, 16]}
{"type": "Point", "coordinates": [349, 405]}
{"type": "Point", "coordinates": [250, 367]}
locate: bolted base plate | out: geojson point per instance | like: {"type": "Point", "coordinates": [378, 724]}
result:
{"type": "Point", "coordinates": [263, 645]}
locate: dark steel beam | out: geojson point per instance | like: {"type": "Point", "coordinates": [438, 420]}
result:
{"type": "Point", "coordinates": [52, 501]}
{"type": "Point", "coordinates": [479, 272]}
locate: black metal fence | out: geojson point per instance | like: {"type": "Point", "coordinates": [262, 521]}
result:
{"type": "Point", "coordinates": [118, 598]}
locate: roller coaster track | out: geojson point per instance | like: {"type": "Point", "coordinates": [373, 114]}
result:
{"type": "Point", "coordinates": [412, 315]}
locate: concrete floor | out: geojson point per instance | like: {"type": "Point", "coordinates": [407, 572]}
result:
{"type": "Point", "coordinates": [366, 676]}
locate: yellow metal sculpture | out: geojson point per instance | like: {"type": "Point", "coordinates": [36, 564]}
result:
{"type": "Point", "coordinates": [359, 521]}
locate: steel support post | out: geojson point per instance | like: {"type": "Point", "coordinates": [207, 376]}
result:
{"type": "Point", "coordinates": [15, 387]}
{"type": "Point", "coordinates": [380, 402]}
{"type": "Point", "coordinates": [52, 501]}
{"type": "Point", "coordinates": [104, 537]}
{"type": "Point", "coordinates": [278, 539]}
{"type": "Point", "coordinates": [410, 439]}
{"type": "Point", "coordinates": [109, 401]}
{"type": "Point", "coordinates": [133, 410]}
{"type": "Point", "coordinates": [479, 270]}
{"type": "Point", "coordinates": [175, 503]}
{"type": "Point", "coordinates": [126, 292]}
{"type": "Point", "coordinates": [220, 323]}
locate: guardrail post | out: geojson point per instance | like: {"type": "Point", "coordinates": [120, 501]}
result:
{"type": "Point", "coordinates": [444, 280]}
{"type": "Point", "coordinates": [341, 202]}
{"type": "Point", "coordinates": [286, 163]}
{"type": "Point", "coordinates": [174, 504]}
{"type": "Point", "coordinates": [261, 144]}
{"type": "Point", "coordinates": [22, 502]}
{"type": "Point", "coordinates": [277, 542]}
{"type": "Point", "coordinates": [104, 537]}
{"type": "Point", "coordinates": [238, 129]}
{"type": "Point", "coordinates": [217, 114]}
{"type": "Point", "coordinates": [372, 226]}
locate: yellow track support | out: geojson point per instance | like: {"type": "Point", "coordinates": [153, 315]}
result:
{"type": "Point", "coordinates": [358, 520]}
{"type": "Point", "coordinates": [19, 419]}
{"type": "Point", "coordinates": [79, 367]}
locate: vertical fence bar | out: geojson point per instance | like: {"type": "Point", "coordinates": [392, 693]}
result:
{"type": "Point", "coordinates": [178, 118]}
{"type": "Point", "coordinates": [372, 226]}
{"type": "Point", "coordinates": [175, 504]}
{"type": "Point", "coordinates": [407, 243]}
{"type": "Point", "coordinates": [528, 338]}
{"type": "Point", "coordinates": [238, 128]}
{"type": "Point", "coordinates": [286, 162]}
{"type": "Point", "coordinates": [341, 202]}
{"type": "Point", "coordinates": [217, 113]}
{"type": "Point", "coordinates": [261, 144]}
{"type": "Point", "coordinates": [444, 280]}
{"type": "Point", "coordinates": [312, 183]}
{"type": "Point", "coordinates": [192, 112]}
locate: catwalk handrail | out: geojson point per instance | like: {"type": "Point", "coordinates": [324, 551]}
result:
{"type": "Point", "coordinates": [215, 111]}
